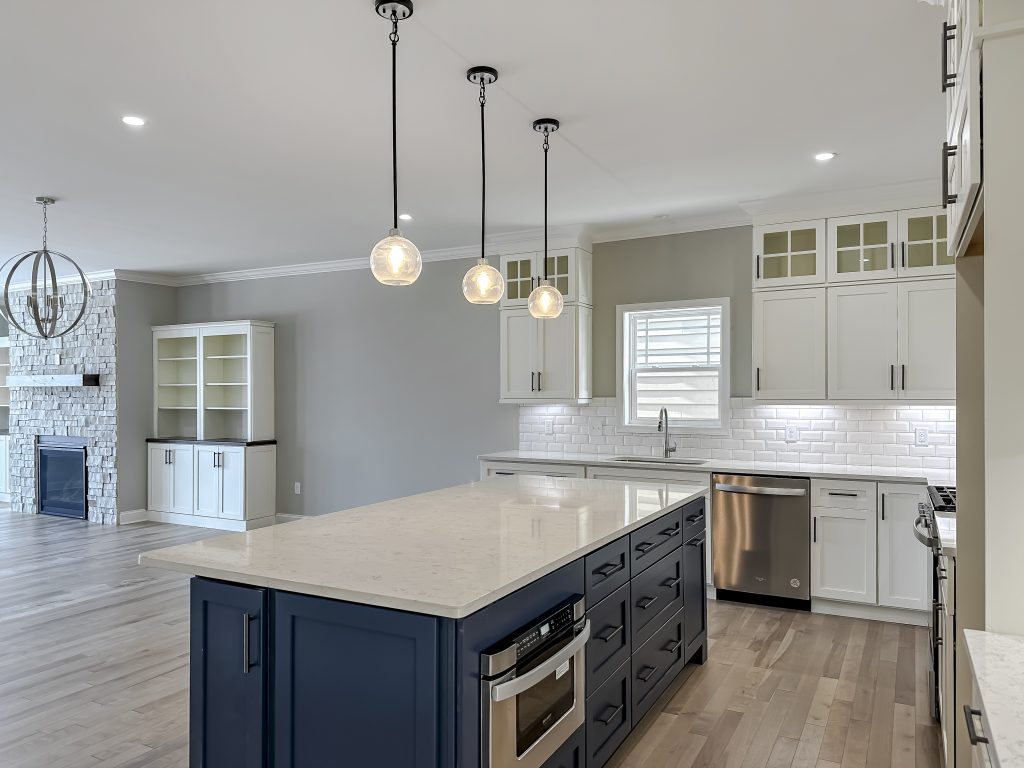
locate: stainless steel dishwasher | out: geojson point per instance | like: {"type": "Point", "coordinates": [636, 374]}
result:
{"type": "Point", "coordinates": [761, 539]}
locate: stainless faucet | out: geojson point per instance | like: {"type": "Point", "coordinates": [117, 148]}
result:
{"type": "Point", "coordinates": [670, 448]}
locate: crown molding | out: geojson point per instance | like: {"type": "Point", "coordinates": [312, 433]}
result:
{"type": "Point", "coordinates": [673, 226]}
{"type": "Point", "coordinates": [845, 202]}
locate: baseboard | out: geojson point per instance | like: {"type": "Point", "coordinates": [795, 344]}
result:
{"type": "Point", "coordinates": [289, 518]}
{"type": "Point", "coordinates": [214, 523]}
{"type": "Point", "coordinates": [132, 516]}
{"type": "Point", "coordinates": [873, 612]}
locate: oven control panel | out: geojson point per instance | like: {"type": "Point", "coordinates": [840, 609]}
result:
{"type": "Point", "coordinates": [540, 633]}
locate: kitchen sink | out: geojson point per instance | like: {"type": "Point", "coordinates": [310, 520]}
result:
{"type": "Point", "coordinates": [658, 460]}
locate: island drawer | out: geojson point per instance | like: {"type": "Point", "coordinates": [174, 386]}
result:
{"type": "Point", "coordinates": [656, 664]}
{"type": "Point", "coordinates": [648, 544]}
{"type": "Point", "coordinates": [694, 519]}
{"type": "Point", "coordinates": [609, 644]}
{"type": "Point", "coordinates": [656, 594]}
{"type": "Point", "coordinates": [607, 569]}
{"type": "Point", "coordinates": [608, 721]}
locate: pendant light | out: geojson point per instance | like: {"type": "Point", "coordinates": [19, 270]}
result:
{"type": "Point", "coordinates": [395, 260]}
{"type": "Point", "coordinates": [545, 301]}
{"type": "Point", "coordinates": [483, 284]}
{"type": "Point", "coordinates": [49, 312]}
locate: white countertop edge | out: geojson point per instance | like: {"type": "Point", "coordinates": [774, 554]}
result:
{"type": "Point", "coordinates": [1003, 709]}
{"type": "Point", "coordinates": [837, 472]}
{"type": "Point", "coordinates": [154, 560]}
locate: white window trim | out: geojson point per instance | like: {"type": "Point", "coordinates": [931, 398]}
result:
{"type": "Point", "coordinates": [622, 385]}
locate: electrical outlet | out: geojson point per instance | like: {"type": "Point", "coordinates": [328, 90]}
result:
{"type": "Point", "coordinates": [792, 433]}
{"type": "Point", "coordinates": [298, 488]}
{"type": "Point", "coordinates": [549, 426]}
{"type": "Point", "coordinates": [921, 436]}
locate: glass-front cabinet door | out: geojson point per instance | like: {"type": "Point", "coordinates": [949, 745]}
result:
{"type": "Point", "coordinates": [789, 254]}
{"type": "Point", "coordinates": [524, 271]}
{"type": "Point", "coordinates": [520, 278]}
{"type": "Point", "coordinates": [923, 248]}
{"type": "Point", "coordinates": [862, 247]}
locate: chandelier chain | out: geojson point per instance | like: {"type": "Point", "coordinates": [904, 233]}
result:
{"type": "Point", "coordinates": [45, 223]}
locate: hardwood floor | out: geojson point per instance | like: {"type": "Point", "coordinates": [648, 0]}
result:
{"type": "Point", "coordinates": [94, 670]}
{"type": "Point", "coordinates": [784, 688]}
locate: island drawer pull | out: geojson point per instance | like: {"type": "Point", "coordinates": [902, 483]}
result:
{"type": "Point", "coordinates": [646, 602]}
{"type": "Point", "coordinates": [972, 730]}
{"type": "Point", "coordinates": [695, 518]}
{"type": "Point", "coordinates": [696, 541]}
{"type": "Point", "coordinates": [673, 646]}
{"type": "Point", "coordinates": [542, 671]}
{"type": "Point", "coordinates": [644, 547]}
{"type": "Point", "coordinates": [645, 677]}
{"type": "Point", "coordinates": [674, 531]}
{"type": "Point", "coordinates": [608, 569]}
{"type": "Point", "coordinates": [606, 717]}
{"type": "Point", "coordinates": [670, 583]}
{"type": "Point", "coordinates": [246, 661]}
{"type": "Point", "coordinates": [609, 633]}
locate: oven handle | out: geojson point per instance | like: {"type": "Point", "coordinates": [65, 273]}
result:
{"type": "Point", "coordinates": [923, 535]}
{"type": "Point", "coordinates": [517, 685]}
{"type": "Point", "coordinates": [758, 490]}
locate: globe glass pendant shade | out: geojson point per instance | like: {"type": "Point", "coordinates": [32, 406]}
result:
{"type": "Point", "coordinates": [483, 284]}
{"type": "Point", "coordinates": [395, 260]}
{"type": "Point", "coordinates": [546, 301]}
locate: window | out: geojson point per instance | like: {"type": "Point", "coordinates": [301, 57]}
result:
{"type": "Point", "coordinates": [675, 355]}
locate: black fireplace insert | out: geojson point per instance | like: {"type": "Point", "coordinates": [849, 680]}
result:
{"type": "Point", "coordinates": [61, 478]}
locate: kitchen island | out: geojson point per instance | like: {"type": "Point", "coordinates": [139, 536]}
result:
{"type": "Point", "coordinates": [526, 621]}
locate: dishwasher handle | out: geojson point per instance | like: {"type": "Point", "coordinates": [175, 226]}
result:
{"type": "Point", "coordinates": [760, 490]}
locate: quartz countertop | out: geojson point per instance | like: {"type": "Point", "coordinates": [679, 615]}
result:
{"type": "Point", "coordinates": [446, 553]}
{"type": "Point", "coordinates": [834, 471]}
{"type": "Point", "coordinates": [998, 664]}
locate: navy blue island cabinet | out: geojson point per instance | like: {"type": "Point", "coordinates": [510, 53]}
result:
{"type": "Point", "coordinates": [284, 680]}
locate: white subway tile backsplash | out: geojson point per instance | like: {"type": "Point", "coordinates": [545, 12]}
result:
{"type": "Point", "coordinates": [879, 436]}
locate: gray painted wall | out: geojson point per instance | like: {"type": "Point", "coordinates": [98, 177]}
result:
{"type": "Point", "coordinates": [138, 307]}
{"type": "Point", "coordinates": [381, 392]}
{"type": "Point", "coordinates": [695, 265]}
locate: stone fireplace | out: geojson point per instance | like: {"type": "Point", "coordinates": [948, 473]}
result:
{"type": "Point", "coordinates": [89, 415]}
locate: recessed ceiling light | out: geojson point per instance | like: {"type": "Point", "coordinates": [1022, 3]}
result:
{"type": "Point", "coordinates": [133, 121]}
{"type": "Point", "coordinates": [405, 216]}
{"type": "Point", "coordinates": [824, 157]}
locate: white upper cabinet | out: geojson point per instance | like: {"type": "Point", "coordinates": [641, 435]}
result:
{"type": "Point", "coordinates": [862, 344]}
{"type": "Point", "coordinates": [962, 160]}
{"type": "Point", "coordinates": [569, 270]}
{"type": "Point", "coordinates": [789, 254]}
{"type": "Point", "coordinates": [927, 339]}
{"type": "Point", "coordinates": [923, 249]}
{"type": "Point", "coordinates": [545, 360]}
{"type": "Point", "coordinates": [903, 562]}
{"type": "Point", "coordinates": [862, 247]}
{"type": "Point", "coordinates": [789, 344]}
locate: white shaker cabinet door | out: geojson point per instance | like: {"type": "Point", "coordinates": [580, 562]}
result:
{"type": "Point", "coordinates": [556, 371]}
{"type": "Point", "coordinates": [207, 481]}
{"type": "Point", "coordinates": [232, 470]}
{"type": "Point", "coordinates": [862, 349]}
{"type": "Point", "coordinates": [843, 554]}
{"type": "Point", "coordinates": [789, 344]}
{"type": "Point", "coordinates": [180, 492]}
{"type": "Point", "coordinates": [927, 339]}
{"type": "Point", "coordinates": [903, 562]}
{"type": "Point", "coordinates": [518, 362]}
{"type": "Point", "coordinates": [159, 478]}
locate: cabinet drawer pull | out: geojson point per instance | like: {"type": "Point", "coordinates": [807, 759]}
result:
{"type": "Point", "coordinates": [972, 730]}
{"type": "Point", "coordinates": [757, 268]}
{"type": "Point", "coordinates": [757, 379]}
{"type": "Point", "coordinates": [644, 547]}
{"type": "Point", "coordinates": [814, 535]}
{"type": "Point", "coordinates": [847, 494]}
{"type": "Point", "coordinates": [539, 387]}
{"type": "Point", "coordinates": [695, 518]}
{"type": "Point", "coordinates": [646, 673]}
{"type": "Point", "coordinates": [608, 633]}
{"type": "Point", "coordinates": [246, 662]}
{"type": "Point", "coordinates": [948, 151]}
{"type": "Point", "coordinates": [532, 375]}
{"type": "Point", "coordinates": [892, 378]}
{"type": "Point", "coordinates": [670, 532]}
{"type": "Point", "coordinates": [509, 474]}
{"type": "Point", "coordinates": [903, 254]}
{"type": "Point", "coordinates": [608, 569]}
{"type": "Point", "coordinates": [696, 541]}
{"type": "Point", "coordinates": [892, 255]}
{"type": "Point", "coordinates": [948, 80]}
{"type": "Point", "coordinates": [646, 602]}
{"type": "Point", "coordinates": [670, 583]}
{"type": "Point", "coordinates": [673, 646]}
{"type": "Point", "coordinates": [903, 377]}
{"type": "Point", "coordinates": [883, 507]}
{"type": "Point", "coordinates": [609, 714]}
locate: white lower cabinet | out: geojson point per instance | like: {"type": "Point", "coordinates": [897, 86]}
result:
{"type": "Point", "coordinates": [789, 344]}
{"type": "Point", "coordinates": [497, 469]}
{"type": "Point", "coordinates": [171, 478]}
{"type": "Point", "coordinates": [903, 562]}
{"type": "Point", "coordinates": [212, 483]}
{"type": "Point", "coordinates": [843, 554]}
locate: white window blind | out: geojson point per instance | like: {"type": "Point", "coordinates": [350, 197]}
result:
{"type": "Point", "coordinates": [673, 359]}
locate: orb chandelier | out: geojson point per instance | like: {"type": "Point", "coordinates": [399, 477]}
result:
{"type": "Point", "coordinates": [545, 302]}
{"type": "Point", "coordinates": [483, 284]}
{"type": "Point", "coordinates": [395, 260]}
{"type": "Point", "coordinates": [50, 309]}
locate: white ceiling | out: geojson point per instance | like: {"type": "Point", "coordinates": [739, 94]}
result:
{"type": "Point", "coordinates": [268, 135]}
